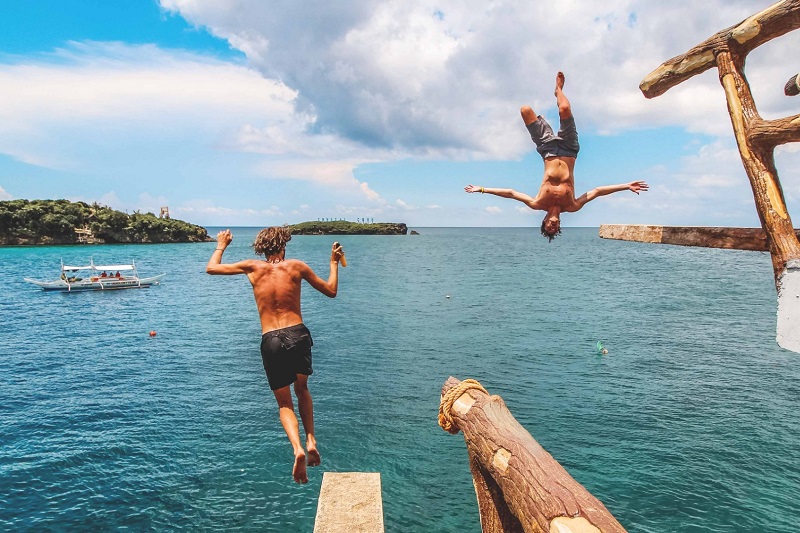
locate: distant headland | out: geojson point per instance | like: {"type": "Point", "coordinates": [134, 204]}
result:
{"type": "Point", "coordinates": [65, 222]}
{"type": "Point", "coordinates": [344, 227]}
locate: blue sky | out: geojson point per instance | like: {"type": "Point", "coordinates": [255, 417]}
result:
{"type": "Point", "coordinates": [242, 112]}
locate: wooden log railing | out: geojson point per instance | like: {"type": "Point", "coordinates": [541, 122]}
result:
{"type": "Point", "coordinates": [519, 486]}
{"type": "Point", "coordinates": [756, 138]}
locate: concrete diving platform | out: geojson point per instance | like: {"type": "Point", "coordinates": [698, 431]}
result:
{"type": "Point", "coordinates": [350, 502]}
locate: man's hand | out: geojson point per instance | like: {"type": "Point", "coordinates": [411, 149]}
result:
{"type": "Point", "coordinates": [473, 188]}
{"type": "Point", "coordinates": [336, 252]}
{"type": "Point", "coordinates": [636, 186]}
{"type": "Point", "coordinates": [224, 238]}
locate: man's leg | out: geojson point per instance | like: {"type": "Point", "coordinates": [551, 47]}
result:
{"type": "Point", "coordinates": [289, 423]}
{"type": "Point", "coordinates": [564, 108]}
{"type": "Point", "coordinates": [306, 407]}
{"type": "Point", "coordinates": [528, 114]}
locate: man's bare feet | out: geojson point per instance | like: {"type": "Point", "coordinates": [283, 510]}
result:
{"type": "Point", "coordinates": [559, 82]}
{"type": "Point", "coordinates": [313, 456]}
{"type": "Point", "coordinates": [299, 470]}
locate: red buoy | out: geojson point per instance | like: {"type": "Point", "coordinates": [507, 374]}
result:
{"type": "Point", "coordinates": [153, 333]}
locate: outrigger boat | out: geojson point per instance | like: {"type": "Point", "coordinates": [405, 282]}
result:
{"type": "Point", "coordinates": [97, 278]}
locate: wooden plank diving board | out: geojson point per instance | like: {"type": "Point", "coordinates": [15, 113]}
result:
{"type": "Point", "coordinates": [705, 237]}
{"type": "Point", "coordinates": [350, 502]}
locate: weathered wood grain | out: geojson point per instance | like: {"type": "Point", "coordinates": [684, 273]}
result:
{"type": "Point", "coordinates": [774, 21]}
{"type": "Point", "coordinates": [519, 486]}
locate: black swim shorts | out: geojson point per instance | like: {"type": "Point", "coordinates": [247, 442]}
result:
{"type": "Point", "coordinates": [285, 353]}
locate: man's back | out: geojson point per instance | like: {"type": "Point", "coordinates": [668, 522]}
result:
{"type": "Point", "coordinates": [276, 287]}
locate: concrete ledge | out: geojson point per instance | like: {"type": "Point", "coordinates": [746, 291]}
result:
{"type": "Point", "coordinates": [707, 237]}
{"type": "Point", "coordinates": [350, 502]}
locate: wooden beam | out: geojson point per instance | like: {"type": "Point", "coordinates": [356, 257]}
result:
{"type": "Point", "coordinates": [350, 502]}
{"type": "Point", "coordinates": [774, 21]}
{"type": "Point", "coordinates": [754, 239]}
{"type": "Point", "coordinates": [520, 487]}
{"type": "Point", "coordinates": [775, 132]}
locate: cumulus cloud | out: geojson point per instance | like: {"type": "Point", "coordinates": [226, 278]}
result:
{"type": "Point", "coordinates": [446, 78]}
{"type": "Point", "coordinates": [322, 96]}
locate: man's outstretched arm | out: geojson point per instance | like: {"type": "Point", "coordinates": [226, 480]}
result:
{"type": "Point", "coordinates": [215, 265]}
{"type": "Point", "coordinates": [505, 193]}
{"type": "Point", "coordinates": [634, 186]}
{"type": "Point", "coordinates": [331, 287]}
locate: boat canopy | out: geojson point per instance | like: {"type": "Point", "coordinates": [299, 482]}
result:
{"type": "Point", "coordinates": [88, 267]}
{"type": "Point", "coordinates": [100, 267]}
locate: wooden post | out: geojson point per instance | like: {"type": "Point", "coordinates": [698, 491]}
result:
{"type": "Point", "coordinates": [755, 137]}
{"type": "Point", "coordinates": [519, 486]}
{"type": "Point", "coordinates": [757, 156]}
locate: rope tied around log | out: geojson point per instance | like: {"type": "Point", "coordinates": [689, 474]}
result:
{"type": "Point", "coordinates": [448, 399]}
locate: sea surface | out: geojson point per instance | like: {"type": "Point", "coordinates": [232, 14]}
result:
{"type": "Point", "coordinates": [689, 424]}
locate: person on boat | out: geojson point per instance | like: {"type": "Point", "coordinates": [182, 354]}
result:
{"type": "Point", "coordinates": [559, 152]}
{"type": "Point", "coordinates": [117, 274]}
{"type": "Point", "coordinates": [104, 275]}
{"type": "Point", "coordinates": [285, 340]}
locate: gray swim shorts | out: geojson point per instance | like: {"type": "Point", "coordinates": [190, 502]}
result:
{"type": "Point", "coordinates": [548, 144]}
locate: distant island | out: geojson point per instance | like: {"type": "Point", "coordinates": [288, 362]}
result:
{"type": "Point", "coordinates": [343, 227]}
{"type": "Point", "coordinates": [65, 222]}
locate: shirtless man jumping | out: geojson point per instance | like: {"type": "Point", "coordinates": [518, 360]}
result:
{"type": "Point", "coordinates": [559, 151]}
{"type": "Point", "coordinates": [285, 341]}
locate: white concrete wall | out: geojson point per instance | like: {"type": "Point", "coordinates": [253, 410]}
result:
{"type": "Point", "coordinates": [788, 329]}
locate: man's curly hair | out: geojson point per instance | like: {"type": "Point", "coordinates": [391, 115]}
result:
{"type": "Point", "coordinates": [550, 236]}
{"type": "Point", "coordinates": [271, 241]}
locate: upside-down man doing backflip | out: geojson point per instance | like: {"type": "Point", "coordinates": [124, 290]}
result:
{"type": "Point", "coordinates": [559, 152]}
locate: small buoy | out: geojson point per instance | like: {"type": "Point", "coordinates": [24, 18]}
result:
{"type": "Point", "coordinates": [153, 333]}
{"type": "Point", "coordinates": [447, 296]}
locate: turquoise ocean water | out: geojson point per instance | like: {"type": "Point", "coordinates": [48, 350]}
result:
{"type": "Point", "coordinates": [689, 424]}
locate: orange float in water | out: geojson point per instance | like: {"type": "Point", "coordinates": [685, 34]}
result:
{"type": "Point", "coordinates": [153, 333]}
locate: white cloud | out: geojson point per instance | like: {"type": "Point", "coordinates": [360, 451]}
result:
{"type": "Point", "coordinates": [219, 215]}
{"type": "Point", "coordinates": [494, 210]}
{"type": "Point", "coordinates": [96, 90]}
{"type": "Point", "coordinates": [446, 78]}
{"type": "Point", "coordinates": [404, 205]}
{"type": "Point", "coordinates": [4, 195]}
{"type": "Point", "coordinates": [369, 82]}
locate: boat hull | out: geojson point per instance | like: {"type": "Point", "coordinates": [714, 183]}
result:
{"type": "Point", "coordinates": [108, 284]}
